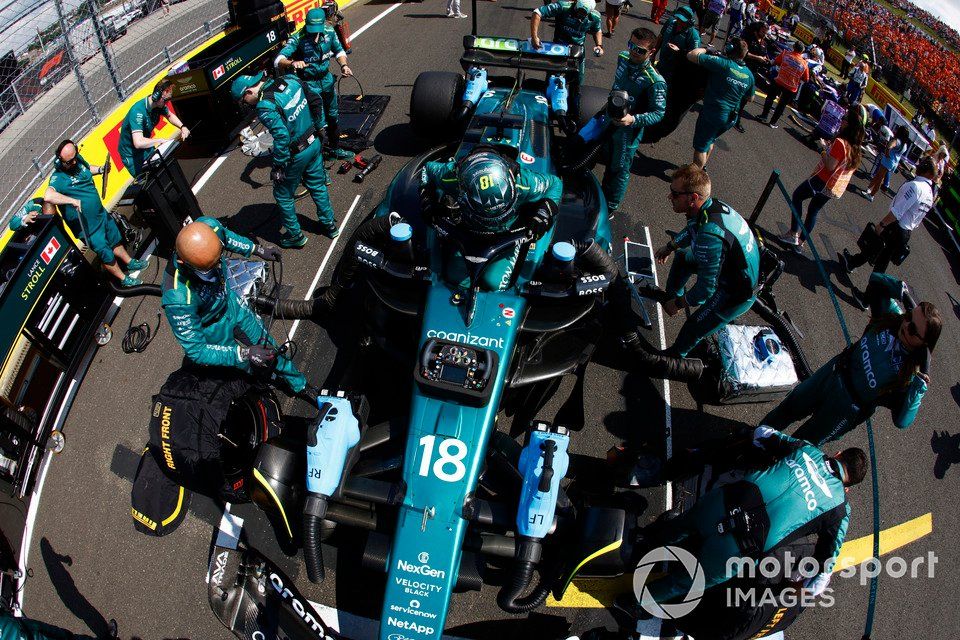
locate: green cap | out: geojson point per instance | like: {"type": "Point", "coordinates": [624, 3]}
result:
{"type": "Point", "coordinates": [684, 14]}
{"type": "Point", "coordinates": [315, 21]}
{"type": "Point", "coordinates": [242, 83]}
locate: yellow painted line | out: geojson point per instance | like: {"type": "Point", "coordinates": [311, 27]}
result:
{"type": "Point", "coordinates": [593, 593]}
{"type": "Point", "coordinates": [600, 593]}
{"type": "Point", "coordinates": [860, 550]}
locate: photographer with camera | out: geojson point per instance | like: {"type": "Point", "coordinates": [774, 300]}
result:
{"type": "Point", "coordinates": [638, 100]}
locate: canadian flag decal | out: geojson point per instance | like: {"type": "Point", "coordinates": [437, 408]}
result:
{"type": "Point", "coordinates": [50, 250]}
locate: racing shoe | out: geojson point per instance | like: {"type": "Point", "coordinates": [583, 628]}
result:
{"type": "Point", "coordinates": [331, 231]}
{"type": "Point", "coordinates": [138, 265]}
{"type": "Point", "coordinates": [647, 290]}
{"type": "Point", "coordinates": [290, 241]}
{"type": "Point", "coordinates": [844, 260]}
{"type": "Point", "coordinates": [130, 281]}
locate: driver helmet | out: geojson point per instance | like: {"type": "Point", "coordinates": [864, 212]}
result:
{"type": "Point", "coordinates": [488, 191]}
{"type": "Point", "coordinates": [330, 9]}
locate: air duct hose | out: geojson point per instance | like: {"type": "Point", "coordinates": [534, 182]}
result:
{"type": "Point", "coordinates": [657, 365]}
{"type": "Point", "coordinates": [509, 598]}
{"type": "Point", "coordinates": [785, 332]}
{"type": "Point", "coordinates": [314, 510]}
{"type": "Point", "coordinates": [375, 232]}
{"type": "Point", "coordinates": [138, 290]}
{"type": "Point", "coordinates": [595, 259]}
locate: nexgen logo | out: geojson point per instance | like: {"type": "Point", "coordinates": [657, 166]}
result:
{"type": "Point", "coordinates": [50, 250]}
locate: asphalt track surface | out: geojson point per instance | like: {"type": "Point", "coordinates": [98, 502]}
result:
{"type": "Point", "coordinates": [89, 564]}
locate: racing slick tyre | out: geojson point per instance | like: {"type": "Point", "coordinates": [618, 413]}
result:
{"type": "Point", "coordinates": [432, 102]}
{"type": "Point", "coordinates": [592, 100]}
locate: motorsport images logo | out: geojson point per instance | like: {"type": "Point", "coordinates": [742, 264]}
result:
{"type": "Point", "coordinates": [642, 575]}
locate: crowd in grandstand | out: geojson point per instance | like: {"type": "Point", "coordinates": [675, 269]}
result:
{"type": "Point", "coordinates": [911, 51]}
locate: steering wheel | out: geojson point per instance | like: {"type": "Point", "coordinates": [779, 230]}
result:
{"type": "Point", "coordinates": [479, 252]}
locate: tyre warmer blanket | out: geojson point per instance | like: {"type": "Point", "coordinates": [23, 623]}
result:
{"type": "Point", "coordinates": [746, 376]}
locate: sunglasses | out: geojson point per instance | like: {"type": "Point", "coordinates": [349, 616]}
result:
{"type": "Point", "coordinates": [69, 163]}
{"type": "Point", "coordinates": [676, 194]}
{"type": "Point", "coordinates": [635, 48]}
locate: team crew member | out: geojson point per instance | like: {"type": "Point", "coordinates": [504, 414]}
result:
{"type": "Point", "coordinates": [711, 19]}
{"type": "Point", "coordinates": [205, 313]}
{"type": "Point", "coordinates": [282, 107]}
{"type": "Point", "coordinates": [832, 175]}
{"type": "Point", "coordinates": [883, 368]}
{"type": "Point", "coordinates": [910, 206]}
{"type": "Point", "coordinates": [136, 132]}
{"type": "Point", "coordinates": [888, 161]}
{"type": "Point", "coordinates": [493, 192]}
{"type": "Point", "coordinates": [718, 246]}
{"type": "Point", "coordinates": [793, 71]}
{"type": "Point", "coordinates": [658, 8]}
{"type": "Point", "coordinates": [730, 86]}
{"type": "Point", "coordinates": [612, 12]}
{"type": "Point", "coordinates": [771, 505]}
{"type": "Point", "coordinates": [677, 38]}
{"type": "Point", "coordinates": [573, 22]}
{"type": "Point", "coordinates": [635, 75]}
{"type": "Point", "coordinates": [29, 212]}
{"type": "Point", "coordinates": [859, 78]}
{"type": "Point", "coordinates": [71, 187]}
{"type": "Point", "coordinates": [735, 27]}
{"type": "Point", "coordinates": [309, 57]}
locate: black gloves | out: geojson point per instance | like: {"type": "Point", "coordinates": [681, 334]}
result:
{"type": "Point", "coordinates": [262, 356]}
{"type": "Point", "coordinates": [541, 217]}
{"type": "Point", "coordinates": [271, 254]}
{"type": "Point", "coordinates": [278, 174]}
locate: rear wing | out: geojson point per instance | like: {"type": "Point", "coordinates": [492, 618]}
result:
{"type": "Point", "coordinates": [511, 53]}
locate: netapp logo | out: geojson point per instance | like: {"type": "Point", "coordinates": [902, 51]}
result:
{"type": "Point", "coordinates": [421, 570]}
{"type": "Point", "coordinates": [466, 338]}
{"type": "Point", "coordinates": [407, 625]}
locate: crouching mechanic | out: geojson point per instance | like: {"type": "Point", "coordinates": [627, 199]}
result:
{"type": "Point", "coordinates": [308, 55]}
{"type": "Point", "coordinates": [718, 246]}
{"type": "Point", "coordinates": [283, 108]}
{"type": "Point", "coordinates": [648, 95]}
{"type": "Point", "coordinates": [884, 368]}
{"type": "Point", "coordinates": [206, 315]}
{"type": "Point", "coordinates": [490, 192]}
{"type": "Point", "coordinates": [788, 491]}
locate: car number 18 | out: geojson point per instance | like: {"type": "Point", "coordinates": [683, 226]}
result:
{"type": "Point", "coordinates": [449, 465]}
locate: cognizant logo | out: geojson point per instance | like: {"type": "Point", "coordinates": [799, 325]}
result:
{"type": "Point", "coordinates": [466, 338]}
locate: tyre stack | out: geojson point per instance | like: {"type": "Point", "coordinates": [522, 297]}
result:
{"type": "Point", "coordinates": [255, 14]}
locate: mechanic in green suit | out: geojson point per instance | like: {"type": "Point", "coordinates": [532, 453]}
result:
{"type": "Point", "coordinates": [136, 133]}
{"type": "Point", "coordinates": [883, 368]}
{"type": "Point", "coordinates": [308, 55]}
{"type": "Point", "coordinates": [718, 246]}
{"type": "Point", "coordinates": [71, 187]}
{"type": "Point", "coordinates": [206, 315]}
{"type": "Point", "coordinates": [677, 38]}
{"type": "Point", "coordinates": [282, 107]}
{"type": "Point", "coordinates": [573, 21]}
{"type": "Point", "coordinates": [792, 491]}
{"type": "Point", "coordinates": [648, 93]}
{"type": "Point", "coordinates": [491, 194]}
{"type": "Point", "coordinates": [730, 86]}
{"type": "Point", "coordinates": [27, 214]}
